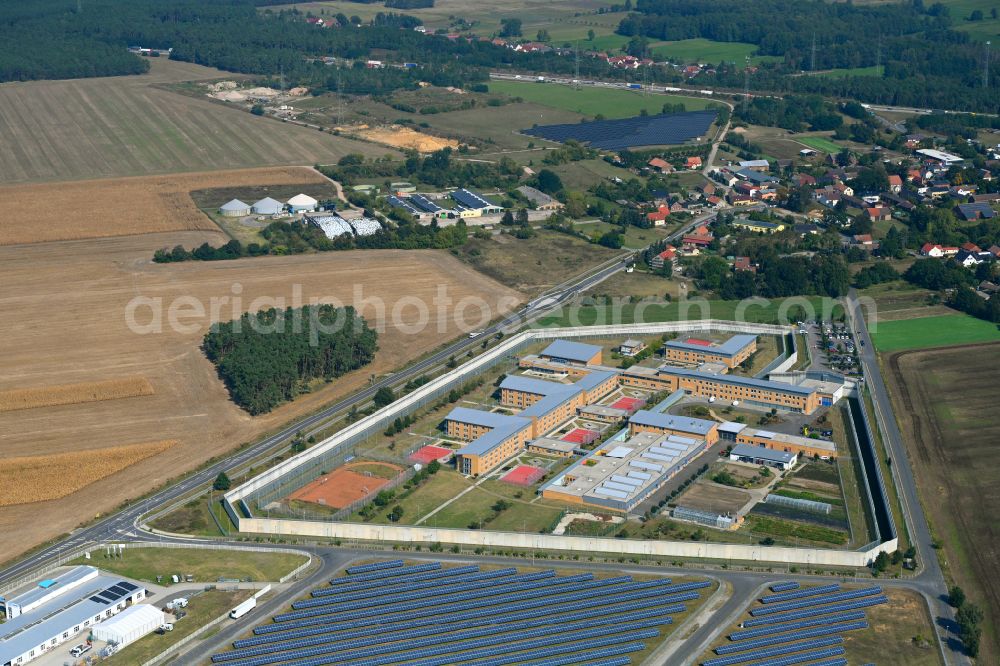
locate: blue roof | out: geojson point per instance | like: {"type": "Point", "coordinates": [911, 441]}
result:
{"type": "Point", "coordinates": [738, 381]}
{"type": "Point", "coordinates": [402, 203]}
{"type": "Point", "coordinates": [972, 210]}
{"type": "Point", "coordinates": [747, 451]}
{"type": "Point", "coordinates": [571, 351]}
{"type": "Point", "coordinates": [730, 347]}
{"type": "Point", "coordinates": [756, 176]}
{"type": "Point", "coordinates": [550, 402]}
{"type": "Point", "coordinates": [478, 417]}
{"type": "Point", "coordinates": [594, 379]}
{"type": "Point", "coordinates": [470, 199]}
{"type": "Point", "coordinates": [483, 444]}
{"type": "Point", "coordinates": [672, 422]}
{"type": "Point", "coordinates": [424, 204]}
{"type": "Point", "coordinates": [532, 385]}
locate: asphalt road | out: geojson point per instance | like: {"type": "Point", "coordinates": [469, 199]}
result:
{"type": "Point", "coordinates": [930, 580]}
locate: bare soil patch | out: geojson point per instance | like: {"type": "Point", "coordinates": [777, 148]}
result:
{"type": "Point", "coordinates": [713, 497]}
{"type": "Point", "coordinates": [345, 485]}
{"type": "Point", "coordinates": [65, 305]}
{"type": "Point", "coordinates": [126, 206]}
{"type": "Point", "coordinates": [398, 136]}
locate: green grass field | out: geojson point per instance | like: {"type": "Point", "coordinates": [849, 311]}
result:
{"type": "Point", "coordinates": [707, 51]}
{"type": "Point", "coordinates": [590, 101]}
{"type": "Point", "coordinates": [820, 143]}
{"type": "Point", "coordinates": [988, 28]}
{"type": "Point", "coordinates": [941, 331]}
{"type": "Point", "coordinates": [205, 565]}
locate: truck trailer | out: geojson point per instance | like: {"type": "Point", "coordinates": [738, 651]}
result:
{"type": "Point", "coordinates": [243, 608]}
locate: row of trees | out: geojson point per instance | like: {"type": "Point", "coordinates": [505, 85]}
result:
{"type": "Point", "coordinates": [268, 357]}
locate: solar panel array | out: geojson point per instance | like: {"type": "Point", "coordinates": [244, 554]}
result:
{"type": "Point", "coordinates": [816, 601]}
{"type": "Point", "coordinates": [784, 587]}
{"type": "Point", "coordinates": [389, 613]}
{"type": "Point", "coordinates": [656, 130]}
{"type": "Point", "coordinates": [799, 594]}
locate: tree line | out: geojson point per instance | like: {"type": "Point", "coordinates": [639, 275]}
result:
{"type": "Point", "coordinates": [268, 357]}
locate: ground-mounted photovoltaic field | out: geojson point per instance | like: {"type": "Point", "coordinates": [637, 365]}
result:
{"type": "Point", "coordinates": [945, 402]}
{"type": "Point", "coordinates": [394, 612]}
{"type": "Point", "coordinates": [128, 126]}
{"type": "Point", "coordinates": [659, 130]}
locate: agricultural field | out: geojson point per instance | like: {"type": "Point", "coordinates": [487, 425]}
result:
{"type": "Point", "coordinates": [706, 51]}
{"type": "Point", "coordinates": [72, 298]}
{"type": "Point", "coordinates": [937, 331]}
{"type": "Point", "coordinates": [820, 143]}
{"type": "Point", "coordinates": [946, 400]}
{"type": "Point", "coordinates": [849, 71]}
{"type": "Point", "coordinates": [591, 101]}
{"type": "Point", "coordinates": [207, 566]}
{"type": "Point", "coordinates": [128, 206]}
{"type": "Point", "coordinates": [73, 394]}
{"type": "Point", "coordinates": [130, 126]}
{"type": "Point", "coordinates": [986, 29]}
{"type": "Point", "coordinates": [32, 479]}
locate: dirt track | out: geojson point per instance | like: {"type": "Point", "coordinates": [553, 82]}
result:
{"type": "Point", "coordinates": [945, 401]}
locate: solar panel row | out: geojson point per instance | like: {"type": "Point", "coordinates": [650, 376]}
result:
{"type": "Point", "coordinates": [374, 566]}
{"type": "Point", "coordinates": [496, 579]}
{"type": "Point", "coordinates": [783, 587]}
{"type": "Point", "coordinates": [375, 575]}
{"type": "Point", "coordinates": [778, 651]}
{"type": "Point", "coordinates": [825, 610]}
{"type": "Point", "coordinates": [801, 658]}
{"type": "Point", "coordinates": [801, 624]}
{"type": "Point", "coordinates": [573, 659]}
{"type": "Point", "coordinates": [786, 638]}
{"type": "Point", "coordinates": [410, 578]}
{"type": "Point", "coordinates": [407, 587]}
{"type": "Point", "coordinates": [663, 129]}
{"type": "Point", "coordinates": [799, 594]}
{"type": "Point", "coordinates": [817, 601]}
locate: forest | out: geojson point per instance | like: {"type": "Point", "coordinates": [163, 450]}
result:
{"type": "Point", "coordinates": [925, 63]}
{"type": "Point", "coordinates": [268, 357]}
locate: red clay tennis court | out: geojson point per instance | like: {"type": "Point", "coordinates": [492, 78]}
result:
{"type": "Point", "coordinates": [580, 436]}
{"type": "Point", "coordinates": [523, 475]}
{"type": "Point", "coordinates": [628, 404]}
{"type": "Point", "coordinates": [346, 485]}
{"type": "Point", "coordinates": [426, 454]}
{"type": "Point", "coordinates": [699, 341]}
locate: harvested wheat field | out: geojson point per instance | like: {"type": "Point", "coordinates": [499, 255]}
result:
{"type": "Point", "coordinates": [126, 206]}
{"type": "Point", "coordinates": [74, 394]}
{"type": "Point", "coordinates": [65, 323]}
{"type": "Point", "coordinates": [39, 478]}
{"type": "Point", "coordinates": [398, 136]}
{"type": "Point", "coordinates": [135, 126]}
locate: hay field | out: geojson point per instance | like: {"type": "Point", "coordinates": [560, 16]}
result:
{"type": "Point", "coordinates": [39, 478]}
{"type": "Point", "coordinates": [404, 137]}
{"type": "Point", "coordinates": [126, 206]}
{"type": "Point", "coordinates": [65, 323]}
{"type": "Point", "coordinates": [73, 394]}
{"type": "Point", "coordinates": [129, 126]}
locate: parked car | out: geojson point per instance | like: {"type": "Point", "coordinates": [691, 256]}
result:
{"type": "Point", "coordinates": [81, 649]}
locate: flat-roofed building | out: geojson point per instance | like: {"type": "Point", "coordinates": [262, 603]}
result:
{"type": "Point", "coordinates": [569, 352]}
{"type": "Point", "coordinates": [779, 441]}
{"type": "Point", "coordinates": [669, 424]}
{"type": "Point", "coordinates": [731, 353]}
{"type": "Point", "coordinates": [631, 347]}
{"type": "Point", "coordinates": [548, 446]}
{"type": "Point", "coordinates": [602, 413]}
{"type": "Point", "coordinates": [758, 455]}
{"type": "Point", "coordinates": [730, 388]}
{"type": "Point", "coordinates": [620, 475]}
{"type": "Point", "coordinates": [539, 200]}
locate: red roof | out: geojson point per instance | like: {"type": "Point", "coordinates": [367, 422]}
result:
{"type": "Point", "coordinates": [658, 163]}
{"type": "Point", "coordinates": [863, 238]}
{"type": "Point", "coordinates": [927, 247]}
{"type": "Point", "coordinates": [971, 247]}
{"type": "Point", "coordinates": [895, 180]}
{"type": "Point", "coordinates": [669, 253]}
{"type": "Point", "coordinates": [694, 161]}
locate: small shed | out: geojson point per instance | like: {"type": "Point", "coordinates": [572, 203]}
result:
{"type": "Point", "coordinates": [268, 206]}
{"type": "Point", "coordinates": [302, 203]}
{"type": "Point", "coordinates": [234, 208]}
{"type": "Point", "coordinates": [130, 625]}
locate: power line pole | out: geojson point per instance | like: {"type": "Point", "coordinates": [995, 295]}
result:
{"type": "Point", "coordinates": [812, 64]}
{"type": "Point", "coordinates": [577, 55]}
{"type": "Point", "coordinates": [746, 85]}
{"type": "Point", "coordinates": [986, 67]}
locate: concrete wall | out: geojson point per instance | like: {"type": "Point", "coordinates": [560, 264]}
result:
{"type": "Point", "coordinates": [549, 542]}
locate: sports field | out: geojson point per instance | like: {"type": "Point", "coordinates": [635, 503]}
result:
{"type": "Point", "coordinates": [940, 331]}
{"type": "Point", "coordinates": [821, 144]}
{"type": "Point", "coordinates": [945, 402]}
{"type": "Point", "coordinates": [591, 101]}
{"type": "Point", "coordinates": [128, 126]}
{"type": "Point", "coordinates": [707, 51]}
{"type": "Point", "coordinates": [347, 484]}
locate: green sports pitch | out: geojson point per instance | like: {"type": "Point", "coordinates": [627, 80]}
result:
{"type": "Point", "coordinates": [820, 143]}
{"type": "Point", "coordinates": [925, 332]}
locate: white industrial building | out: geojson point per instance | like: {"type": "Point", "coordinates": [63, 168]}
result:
{"type": "Point", "coordinates": [268, 206]}
{"type": "Point", "coordinates": [72, 603]}
{"type": "Point", "coordinates": [234, 208]}
{"type": "Point", "coordinates": [130, 625]}
{"type": "Point", "coordinates": [302, 203]}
